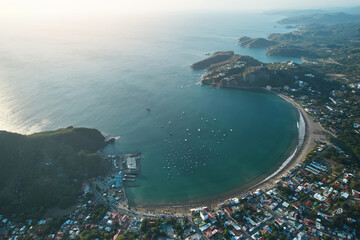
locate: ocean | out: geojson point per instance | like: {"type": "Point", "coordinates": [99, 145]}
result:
{"type": "Point", "coordinates": [197, 142]}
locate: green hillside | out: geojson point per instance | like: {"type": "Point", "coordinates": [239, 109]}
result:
{"type": "Point", "coordinates": [47, 169]}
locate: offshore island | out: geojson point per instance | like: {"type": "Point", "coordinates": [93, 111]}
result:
{"type": "Point", "coordinates": [315, 194]}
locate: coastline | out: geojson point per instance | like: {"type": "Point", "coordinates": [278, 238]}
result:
{"type": "Point", "coordinates": [312, 132]}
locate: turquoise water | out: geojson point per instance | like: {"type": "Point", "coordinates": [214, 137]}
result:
{"type": "Point", "coordinates": [104, 73]}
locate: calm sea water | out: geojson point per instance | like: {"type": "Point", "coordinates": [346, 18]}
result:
{"type": "Point", "coordinates": [197, 142]}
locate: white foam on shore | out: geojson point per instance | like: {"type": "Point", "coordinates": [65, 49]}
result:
{"type": "Point", "coordinates": [301, 138]}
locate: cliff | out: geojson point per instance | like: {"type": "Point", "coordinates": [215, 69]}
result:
{"type": "Point", "coordinates": [237, 72]}
{"type": "Point", "coordinates": [258, 76]}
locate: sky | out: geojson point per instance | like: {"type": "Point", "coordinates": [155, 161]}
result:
{"type": "Point", "coordinates": [113, 7]}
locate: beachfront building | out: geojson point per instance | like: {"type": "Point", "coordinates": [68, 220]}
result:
{"type": "Point", "coordinates": [131, 164]}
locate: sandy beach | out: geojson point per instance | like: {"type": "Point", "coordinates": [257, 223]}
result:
{"type": "Point", "coordinates": [313, 133]}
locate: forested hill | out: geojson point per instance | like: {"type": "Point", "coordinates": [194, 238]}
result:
{"type": "Point", "coordinates": [45, 170]}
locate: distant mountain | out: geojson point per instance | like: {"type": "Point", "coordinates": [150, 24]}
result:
{"type": "Point", "coordinates": [353, 10]}
{"type": "Point", "coordinates": [324, 19]}
{"type": "Point", "coordinates": [293, 13]}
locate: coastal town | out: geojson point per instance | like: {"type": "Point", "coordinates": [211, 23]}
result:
{"type": "Point", "coordinates": [318, 197]}
{"type": "Point", "coordinates": [315, 194]}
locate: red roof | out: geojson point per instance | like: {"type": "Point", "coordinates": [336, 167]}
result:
{"type": "Point", "coordinates": [114, 215]}
{"type": "Point", "coordinates": [308, 203]}
{"type": "Point", "coordinates": [211, 216]}
{"type": "Point", "coordinates": [278, 221]}
{"type": "Point", "coordinates": [209, 233]}
{"type": "Point", "coordinates": [328, 201]}
{"type": "Point", "coordinates": [356, 193]}
{"type": "Point", "coordinates": [228, 211]}
{"type": "Point", "coordinates": [253, 207]}
{"type": "Point", "coordinates": [124, 218]}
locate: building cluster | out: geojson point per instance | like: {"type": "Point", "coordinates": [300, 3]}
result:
{"type": "Point", "coordinates": [337, 111]}
{"type": "Point", "coordinates": [318, 199]}
{"type": "Point", "coordinates": [88, 217]}
{"type": "Point", "coordinates": [311, 201]}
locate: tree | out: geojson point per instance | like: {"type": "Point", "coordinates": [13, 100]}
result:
{"type": "Point", "coordinates": [226, 234]}
{"type": "Point", "coordinates": [143, 226]}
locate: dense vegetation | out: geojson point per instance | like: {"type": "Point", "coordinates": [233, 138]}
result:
{"type": "Point", "coordinates": [217, 57]}
{"type": "Point", "coordinates": [47, 169]}
{"type": "Point", "coordinates": [256, 42]}
{"type": "Point", "coordinates": [321, 18]}
{"type": "Point", "coordinates": [244, 72]}
{"type": "Point", "coordinates": [326, 49]}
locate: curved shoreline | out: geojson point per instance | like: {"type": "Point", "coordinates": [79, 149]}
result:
{"type": "Point", "coordinates": [301, 139]}
{"type": "Point", "coordinates": [309, 132]}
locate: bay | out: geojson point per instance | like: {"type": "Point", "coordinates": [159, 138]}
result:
{"type": "Point", "coordinates": [104, 73]}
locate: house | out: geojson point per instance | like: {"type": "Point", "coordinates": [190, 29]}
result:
{"type": "Point", "coordinates": [204, 216]}
{"type": "Point", "coordinates": [228, 211]}
{"type": "Point", "coordinates": [86, 188]}
{"type": "Point", "coordinates": [345, 195]}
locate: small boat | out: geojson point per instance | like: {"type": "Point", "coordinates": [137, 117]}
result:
{"type": "Point", "coordinates": [148, 109]}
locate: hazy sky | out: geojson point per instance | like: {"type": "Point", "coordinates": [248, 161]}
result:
{"type": "Point", "coordinates": [71, 7]}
